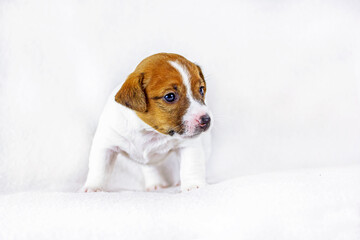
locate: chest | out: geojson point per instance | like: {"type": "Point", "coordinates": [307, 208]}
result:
{"type": "Point", "coordinates": [150, 147]}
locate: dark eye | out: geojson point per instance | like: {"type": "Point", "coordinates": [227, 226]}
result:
{"type": "Point", "coordinates": [170, 97]}
{"type": "Point", "coordinates": [201, 90]}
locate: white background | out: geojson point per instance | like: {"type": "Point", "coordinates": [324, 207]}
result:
{"type": "Point", "coordinates": [283, 81]}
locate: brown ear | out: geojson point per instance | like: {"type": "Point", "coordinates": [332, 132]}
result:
{"type": "Point", "coordinates": [132, 94]}
{"type": "Point", "coordinates": [200, 72]}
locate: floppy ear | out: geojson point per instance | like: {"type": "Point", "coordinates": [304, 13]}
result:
{"type": "Point", "coordinates": [132, 94]}
{"type": "Point", "coordinates": [200, 72]}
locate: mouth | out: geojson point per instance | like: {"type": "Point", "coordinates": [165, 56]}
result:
{"type": "Point", "coordinates": [193, 135]}
{"type": "Point", "coordinates": [185, 134]}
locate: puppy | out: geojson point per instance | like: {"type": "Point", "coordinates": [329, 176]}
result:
{"type": "Point", "coordinates": [160, 109]}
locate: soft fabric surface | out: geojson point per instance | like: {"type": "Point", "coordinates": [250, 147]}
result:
{"type": "Point", "coordinates": [308, 204]}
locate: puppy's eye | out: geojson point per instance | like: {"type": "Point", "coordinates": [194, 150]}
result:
{"type": "Point", "coordinates": [202, 91]}
{"type": "Point", "coordinates": [170, 97]}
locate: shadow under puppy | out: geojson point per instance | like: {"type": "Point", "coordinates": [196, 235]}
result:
{"type": "Point", "coordinates": [159, 109]}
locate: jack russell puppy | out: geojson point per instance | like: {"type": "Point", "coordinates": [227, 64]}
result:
{"type": "Point", "coordinates": [160, 109]}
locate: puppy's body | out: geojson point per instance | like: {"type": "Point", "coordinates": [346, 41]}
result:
{"type": "Point", "coordinates": [154, 114]}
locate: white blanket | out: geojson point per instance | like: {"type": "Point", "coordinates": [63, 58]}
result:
{"type": "Point", "coordinates": [306, 204]}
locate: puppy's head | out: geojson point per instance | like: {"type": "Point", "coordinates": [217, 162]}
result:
{"type": "Point", "coordinates": [168, 93]}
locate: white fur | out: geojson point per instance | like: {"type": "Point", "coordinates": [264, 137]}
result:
{"type": "Point", "coordinates": [121, 131]}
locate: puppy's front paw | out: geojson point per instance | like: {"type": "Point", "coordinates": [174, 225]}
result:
{"type": "Point", "coordinates": [154, 183]}
{"type": "Point", "coordinates": [90, 189]}
{"type": "Point", "coordinates": [189, 187]}
{"type": "Point", "coordinates": [156, 187]}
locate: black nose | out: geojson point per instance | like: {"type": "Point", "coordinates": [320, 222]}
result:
{"type": "Point", "coordinates": [205, 122]}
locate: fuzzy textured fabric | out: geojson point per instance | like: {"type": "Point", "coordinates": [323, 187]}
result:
{"type": "Point", "coordinates": [297, 205]}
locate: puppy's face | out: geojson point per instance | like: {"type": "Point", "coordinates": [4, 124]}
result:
{"type": "Point", "coordinates": [168, 93]}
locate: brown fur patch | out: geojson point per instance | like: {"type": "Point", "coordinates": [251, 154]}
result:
{"type": "Point", "coordinates": [132, 94]}
{"type": "Point", "coordinates": [197, 81]}
{"type": "Point", "coordinates": [153, 78]}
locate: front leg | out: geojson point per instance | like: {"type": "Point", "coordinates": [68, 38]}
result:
{"type": "Point", "coordinates": [154, 178]}
{"type": "Point", "coordinates": [192, 166]}
{"type": "Point", "coordinates": [101, 163]}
